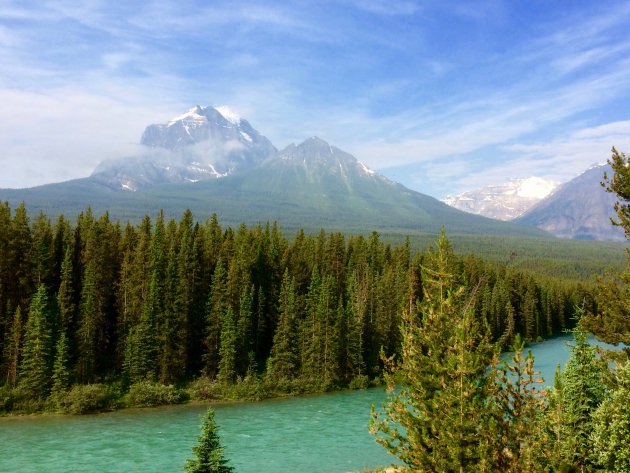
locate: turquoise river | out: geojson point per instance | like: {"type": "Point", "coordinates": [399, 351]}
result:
{"type": "Point", "coordinates": [316, 434]}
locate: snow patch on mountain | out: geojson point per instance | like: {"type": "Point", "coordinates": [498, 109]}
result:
{"type": "Point", "coordinates": [194, 115]}
{"type": "Point", "coordinates": [229, 114]}
{"type": "Point", "coordinates": [504, 201]}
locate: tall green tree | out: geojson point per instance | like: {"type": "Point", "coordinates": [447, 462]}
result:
{"type": "Point", "coordinates": [61, 368]}
{"type": "Point", "coordinates": [36, 357]}
{"type": "Point", "coordinates": [209, 456]}
{"type": "Point", "coordinates": [515, 435]}
{"type": "Point", "coordinates": [582, 390]}
{"type": "Point", "coordinates": [435, 420]}
{"type": "Point", "coordinates": [227, 349]}
{"type": "Point", "coordinates": [216, 308]}
{"type": "Point", "coordinates": [283, 361]}
{"type": "Point", "coordinates": [13, 348]}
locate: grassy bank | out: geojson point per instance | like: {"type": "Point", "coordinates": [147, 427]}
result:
{"type": "Point", "coordinates": [101, 397]}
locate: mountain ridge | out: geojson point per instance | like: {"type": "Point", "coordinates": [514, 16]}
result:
{"type": "Point", "coordinates": [309, 185]}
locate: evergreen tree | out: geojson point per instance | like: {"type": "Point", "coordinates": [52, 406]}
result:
{"type": "Point", "coordinates": [517, 406]}
{"type": "Point", "coordinates": [611, 427]}
{"type": "Point", "coordinates": [582, 391]}
{"type": "Point", "coordinates": [35, 366]}
{"type": "Point", "coordinates": [244, 333]}
{"type": "Point", "coordinates": [227, 349]}
{"type": "Point", "coordinates": [216, 308]}
{"type": "Point", "coordinates": [13, 349]}
{"type": "Point", "coordinates": [61, 371]}
{"type": "Point", "coordinates": [436, 419]}
{"type": "Point", "coordinates": [209, 452]}
{"type": "Point", "coordinates": [282, 363]}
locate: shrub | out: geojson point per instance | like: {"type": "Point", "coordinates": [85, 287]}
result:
{"type": "Point", "coordinates": [19, 401]}
{"type": "Point", "coordinates": [86, 398]}
{"type": "Point", "coordinates": [204, 389]}
{"type": "Point", "coordinates": [360, 382]}
{"type": "Point", "coordinates": [148, 394]}
{"type": "Point", "coordinates": [249, 389]}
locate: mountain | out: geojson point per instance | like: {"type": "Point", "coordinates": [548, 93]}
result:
{"type": "Point", "coordinates": [203, 143]}
{"type": "Point", "coordinates": [580, 209]}
{"type": "Point", "coordinates": [310, 185]}
{"type": "Point", "coordinates": [504, 201]}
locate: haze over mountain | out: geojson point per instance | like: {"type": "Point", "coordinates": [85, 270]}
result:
{"type": "Point", "coordinates": [579, 209]}
{"type": "Point", "coordinates": [210, 161]}
{"type": "Point", "coordinates": [504, 201]}
{"type": "Point", "coordinates": [203, 143]}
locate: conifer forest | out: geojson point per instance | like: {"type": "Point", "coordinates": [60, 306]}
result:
{"type": "Point", "coordinates": [174, 301]}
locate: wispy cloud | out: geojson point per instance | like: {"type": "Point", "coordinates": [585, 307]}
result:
{"type": "Point", "coordinates": [433, 93]}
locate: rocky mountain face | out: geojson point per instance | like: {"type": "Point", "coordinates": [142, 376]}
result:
{"type": "Point", "coordinates": [505, 201]}
{"type": "Point", "coordinates": [579, 209]}
{"type": "Point", "coordinates": [203, 143]}
{"type": "Point", "coordinates": [210, 161]}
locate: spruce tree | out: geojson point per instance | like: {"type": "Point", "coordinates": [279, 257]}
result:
{"type": "Point", "coordinates": [61, 370]}
{"type": "Point", "coordinates": [227, 349]}
{"type": "Point", "coordinates": [517, 403]}
{"type": "Point", "coordinates": [610, 437]}
{"type": "Point", "coordinates": [436, 418]}
{"type": "Point", "coordinates": [282, 363]}
{"type": "Point", "coordinates": [583, 390]}
{"type": "Point", "coordinates": [13, 348]}
{"type": "Point", "coordinates": [209, 452]}
{"type": "Point", "coordinates": [36, 357]}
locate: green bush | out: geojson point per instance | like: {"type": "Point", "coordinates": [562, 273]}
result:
{"type": "Point", "coordinates": [204, 389]}
{"type": "Point", "coordinates": [18, 401]}
{"type": "Point", "coordinates": [360, 382]}
{"type": "Point", "coordinates": [148, 394]}
{"type": "Point", "coordinates": [249, 389]}
{"type": "Point", "coordinates": [86, 398]}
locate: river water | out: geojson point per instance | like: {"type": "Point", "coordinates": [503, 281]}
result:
{"type": "Point", "coordinates": [315, 434]}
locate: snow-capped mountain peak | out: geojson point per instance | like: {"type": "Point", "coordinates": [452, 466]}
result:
{"type": "Point", "coordinates": [194, 114]}
{"type": "Point", "coordinates": [535, 187]}
{"type": "Point", "coordinates": [200, 144]}
{"type": "Point", "coordinates": [229, 114]}
{"type": "Point", "coordinates": [504, 201]}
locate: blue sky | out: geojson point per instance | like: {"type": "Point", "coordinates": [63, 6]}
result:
{"type": "Point", "coordinates": [442, 96]}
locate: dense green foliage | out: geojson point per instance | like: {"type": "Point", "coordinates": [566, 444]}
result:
{"type": "Point", "coordinates": [454, 406]}
{"type": "Point", "coordinates": [457, 408]}
{"type": "Point", "coordinates": [209, 452]}
{"type": "Point", "coordinates": [167, 302]}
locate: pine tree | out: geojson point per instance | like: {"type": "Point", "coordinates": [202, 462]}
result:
{"type": "Point", "coordinates": [610, 437]}
{"type": "Point", "coordinates": [13, 348]}
{"type": "Point", "coordinates": [61, 371]}
{"type": "Point", "coordinates": [282, 363]}
{"type": "Point", "coordinates": [518, 404]}
{"type": "Point", "coordinates": [583, 390]}
{"type": "Point", "coordinates": [436, 419]}
{"type": "Point", "coordinates": [35, 366]}
{"type": "Point", "coordinates": [209, 452]}
{"type": "Point", "coordinates": [217, 306]}
{"type": "Point", "coordinates": [227, 349]}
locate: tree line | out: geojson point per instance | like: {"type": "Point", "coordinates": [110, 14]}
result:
{"type": "Point", "coordinates": [97, 301]}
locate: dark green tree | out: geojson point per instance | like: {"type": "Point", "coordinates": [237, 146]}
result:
{"type": "Point", "coordinates": [61, 368]}
{"type": "Point", "coordinates": [283, 361]}
{"type": "Point", "coordinates": [582, 391]}
{"type": "Point", "coordinates": [36, 357]}
{"type": "Point", "coordinates": [209, 452]}
{"type": "Point", "coordinates": [227, 348]}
